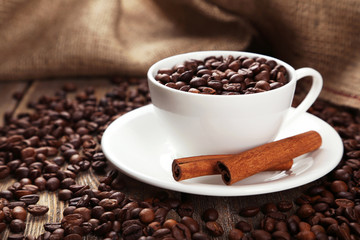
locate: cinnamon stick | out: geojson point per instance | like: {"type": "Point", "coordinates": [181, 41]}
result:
{"type": "Point", "coordinates": [191, 167]}
{"type": "Point", "coordinates": [248, 163]}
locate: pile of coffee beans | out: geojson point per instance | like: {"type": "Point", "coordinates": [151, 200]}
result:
{"type": "Point", "coordinates": [224, 75]}
{"type": "Point", "coordinates": [46, 149]}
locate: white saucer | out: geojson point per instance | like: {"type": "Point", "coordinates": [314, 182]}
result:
{"type": "Point", "coordinates": [137, 144]}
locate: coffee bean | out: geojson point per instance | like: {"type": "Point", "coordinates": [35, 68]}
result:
{"type": "Point", "coordinates": [109, 204]}
{"type": "Point", "coordinates": [210, 214]}
{"type": "Point", "coordinates": [19, 212]}
{"type": "Point", "coordinates": [338, 186]}
{"type": "Point", "coordinates": [169, 223]}
{"type": "Point", "coordinates": [73, 236]}
{"type": "Point", "coordinates": [180, 231]}
{"type": "Point", "coordinates": [52, 184]}
{"type": "Point", "coordinates": [200, 236]}
{"type": "Point", "coordinates": [4, 171]}
{"type": "Point", "coordinates": [235, 234]}
{"type": "Point", "coordinates": [40, 182]}
{"type": "Point", "coordinates": [84, 212]}
{"type": "Point", "coordinates": [191, 224]}
{"type": "Point", "coordinates": [269, 207]}
{"type": "Point", "coordinates": [243, 226]}
{"type": "Point", "coordinates": [64, 194]}
{"type": "Point", "coordinates": [37, 210]}
{"type": "Point", "coordinates": [67, 182]}
{"type": "Point", "coordinates": [281, 235]}
{"type": "Point", "coordinates": [17, 226]}
{"type": "Point", "coordinates": [17, 236]}
{"type": "Point", "coordinates": [284, 206]}
{"type": "Point", "coordinates": [305, 211]}
{"type": "Point", "coordinates": [214, 228]}
{"type": "Point", "coordinates": [147, 215]}
{"type": "Point", "coordinates": [185, 209]}
{"type": "Point", "coordinates": [30, 199]}
{"type": "Point", "coordinates": [249, 211]}
{"type": "Point", "coordinates": [261, 235]}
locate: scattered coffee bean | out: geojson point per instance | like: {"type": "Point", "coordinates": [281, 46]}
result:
{"type": "Point", "coordinates": [37, 210]}
{"type": "Point", "coordinates": [249, 211]}
{"type": "Point", "coordinates": [210, 214]}
{"type": "Point", "coordinates": [214, 228]}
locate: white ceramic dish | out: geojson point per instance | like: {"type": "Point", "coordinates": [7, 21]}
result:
{"type": "Point", "coordinates": [137, 144]}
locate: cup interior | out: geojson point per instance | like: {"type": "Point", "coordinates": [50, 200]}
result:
{"type": "Point", "coordinates": [201, 55]}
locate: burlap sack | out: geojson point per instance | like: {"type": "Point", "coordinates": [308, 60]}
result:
{"type": "Point", "coordinates": [58, 38]}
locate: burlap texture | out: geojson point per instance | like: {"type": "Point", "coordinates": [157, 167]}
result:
{"type": "Point", "coordinates": [58, 38]}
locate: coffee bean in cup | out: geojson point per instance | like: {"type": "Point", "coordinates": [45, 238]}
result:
{"type": "Point", "coordinates": [224, 75]}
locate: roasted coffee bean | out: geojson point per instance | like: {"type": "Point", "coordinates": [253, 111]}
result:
{"type": "Point", "coordinates": [338, 186]}
{"type": "Point", "coordinates": [243, 226]}
{"type": "Point", "coordinates": [22, 192]}
{"type": "Point", "coordinates": [6, 194]}
{"type": "Point", "coordinates": [249, 211]}
{"type": "Point", "coordinates": [40, 182]}
{"type": "Point", "coordinates": [73, 236]}
{"type": "Point", "coordinates": [214, 228]}
{"type": "Point", "coordinates": [19, 212]}
{"type": "Point", "coordinates": [4, 171]}
{"type": "Point", "coordinates": [84, 212]}
{"type": "Point", "coordinates": [305, 211]}
{"type": "Point", "coordinates": [210, 214]}
{"type": "Point", "coordinates": [235, 234]}
{"type": "Point", "coordinates": [147, 215]}
{"type": "Point", "coordinates": [64, 194]}
{"type": "Point", "coordinates": [109, 204]}
{"type": "Point", "coordinates": [284, 206]}
{"type": "Point", "coordinates": [52, 184]}
{"type": "Point", "coordinates": [180, 231]}
{"type": "Point", "coordinates": [169, 223]}
{"type": "Point", "coordinates": [30, 199]}
{"type": "Point", "coordinates": [261, 235]}
{"type": "Point", "coordinates": [281, 235]}
{"type": "Point", "coordinates": [17, 226]}
{"type": "Point", "coordinates": [134, 231]}
{"type": "Point", "coordinates": [200, 236]}
{"type": "Point", "coordinates": [14, 204]}
{"type": "Point", "coordinates": [107, 216]}
{"type": "Point", "coordinates": [16, 236]}
{"type": "Point", "coordinates": [160, 214]}
{"type": "Point", "coordinates": [305, 235]}
{"type": "Point", "coordinates": [191, 224]}
{"type": "Point", "coordinates": [51, 227]}
{"type": "Point", "coordinates": [268, 208]}
{"type": "Point", "coordinates": [37, 210]}
{"type": "Point", "coordinates": [185, 209]}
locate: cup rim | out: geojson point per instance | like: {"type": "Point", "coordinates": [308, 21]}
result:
{"type": "Point", "coordinates": [203, 54]}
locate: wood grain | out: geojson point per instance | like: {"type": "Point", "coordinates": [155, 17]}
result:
{"type": "Point", "coordinates": [228, 207]}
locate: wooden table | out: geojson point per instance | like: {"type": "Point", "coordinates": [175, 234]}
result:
{"type": "Point", "coordinates": [228, 207]}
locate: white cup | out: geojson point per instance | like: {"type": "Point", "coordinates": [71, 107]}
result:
{"type": "Point", "coordinates": [200, 124]}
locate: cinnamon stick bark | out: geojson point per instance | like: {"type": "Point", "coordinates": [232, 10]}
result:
{"type": "Point", "coordinates": [248, 163]}
{"type": "Point", "coordinates": [191, 167]}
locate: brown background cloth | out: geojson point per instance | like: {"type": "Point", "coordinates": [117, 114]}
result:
{"type": "Point", "coordinates": [59, 38]}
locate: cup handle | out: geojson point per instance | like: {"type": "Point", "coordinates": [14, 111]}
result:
{"type": "Point", "coordinates": [311, 96]}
